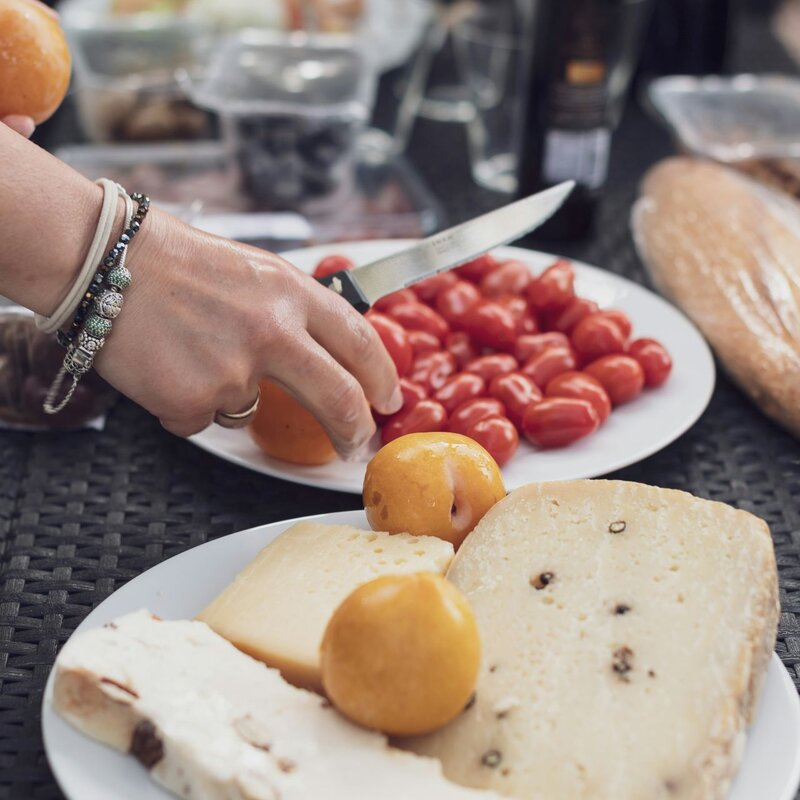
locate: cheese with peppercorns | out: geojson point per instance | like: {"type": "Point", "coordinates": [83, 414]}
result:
{"type": "Point", "coordinates": [210, 722]}
{"type": "Point", "coordinates": [279, 605]}
{"type": "Point", "coordinates": [626, 633]}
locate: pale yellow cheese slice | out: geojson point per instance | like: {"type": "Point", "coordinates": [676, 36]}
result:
{"type": "Point", "coordinates": [626, 632]}
{"type": "Point", "coordinates": [279, 605]}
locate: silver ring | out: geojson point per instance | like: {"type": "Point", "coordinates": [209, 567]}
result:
{"type": "Point", "coordinates": [238, 419]}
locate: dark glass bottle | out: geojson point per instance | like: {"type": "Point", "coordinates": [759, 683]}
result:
{"type": "Point", "coordinates": [582, 56]}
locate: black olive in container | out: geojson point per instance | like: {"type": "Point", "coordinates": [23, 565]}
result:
{"type": "Point", "coordinates": [291, 109]}
{"type": "Point", "coordinates": [29, 360]}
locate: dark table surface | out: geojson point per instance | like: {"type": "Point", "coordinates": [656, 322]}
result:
{"type": "Point", "coordinates": [80, 514]}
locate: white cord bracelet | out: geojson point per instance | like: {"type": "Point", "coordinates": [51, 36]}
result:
{"type": "Point", "coordinates": [103, 232]}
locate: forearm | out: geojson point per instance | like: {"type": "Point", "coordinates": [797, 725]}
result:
{"type": "Point", "coordinates": [48, 214]}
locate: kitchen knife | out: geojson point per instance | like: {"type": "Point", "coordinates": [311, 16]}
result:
{"type": "Point", "coordinates": [362, 286]}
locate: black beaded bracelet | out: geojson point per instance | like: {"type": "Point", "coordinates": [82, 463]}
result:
{"type": "Point", "coordinates": [67, 338]}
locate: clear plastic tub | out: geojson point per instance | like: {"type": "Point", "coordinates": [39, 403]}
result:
{"type": "Point", "coordinates": [732, 119]}
{"type": "Point", "coordinates": [125, 77]}
{"type": "Point", "coordinates": [292, 109]}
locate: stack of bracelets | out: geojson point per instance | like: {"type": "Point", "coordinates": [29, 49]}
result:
{"type": "Point", "coordinates": [98, 291]}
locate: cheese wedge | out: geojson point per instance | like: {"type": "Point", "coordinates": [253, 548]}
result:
{"type": "Point", "coordinates": [210, 722]}
{"type": "Point", "coordinates": [626, 633]}
{"type": "Point", "coordinates": [279, 605]}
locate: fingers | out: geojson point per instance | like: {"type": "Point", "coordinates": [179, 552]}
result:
{"type": "Point", "coordinates": [238, 412]}
{"type": "Point", "coordinates": [21, 124]}
{"type": "Point", "coordinates": [324, 387]}
{"type": "Point", "coordinates": [353, 342]}
{"type": "Point", "coordinates": [187, 426]}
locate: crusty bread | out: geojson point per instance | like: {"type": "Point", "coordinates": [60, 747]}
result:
{"type": "Point", "coordinates": [727, 250]}
{"type": "Point", "coordinates": [626, 633]}
{"type": "Point", "coordinates": [210, 722]}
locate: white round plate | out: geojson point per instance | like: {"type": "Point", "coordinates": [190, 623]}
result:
{"type": "Point", "coordinates": [182, 586]}
{"type": "Point", "coordinates": [633, 432]}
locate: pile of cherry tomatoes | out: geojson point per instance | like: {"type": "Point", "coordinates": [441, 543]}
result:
{"type": "Point", "coordinates": [490, 351]}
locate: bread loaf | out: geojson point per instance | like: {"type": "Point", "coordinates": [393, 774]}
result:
{"type": "Point", "coordinates": [210, 722]}
{"type": "Point", "coordinates": [727, 250]}
{"type": "Point", "coordinates": [626, 633]}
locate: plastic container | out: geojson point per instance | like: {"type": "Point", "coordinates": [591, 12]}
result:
{"type": "Point", "coordinates": [733, 119]}
{"type": "Point", "coordinates": [200, 183]}
{"type": "Point", "coordinates": [125, 72]}
{"type": "Point", "coordinates": [291, 109]}
{"type": "Point", "coordinates": [29, 360]}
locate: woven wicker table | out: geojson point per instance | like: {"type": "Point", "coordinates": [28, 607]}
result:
{"type": "Point", "coordinates": [80, 514]}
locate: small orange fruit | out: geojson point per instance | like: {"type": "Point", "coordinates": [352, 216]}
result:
{"type": "Point", "coordinates": [434, 484]}
{"type": "Point", "coordinates": [401, 654]}
{"type": "Point", "coordinates": [283, 429]}
{"type": "Point", "coordinates": [34, 60]}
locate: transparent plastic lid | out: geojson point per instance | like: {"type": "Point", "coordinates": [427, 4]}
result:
{"type": "Point", "coordinates": [732, 119]}
{"type": "Point", "coordinates": [255, 72]}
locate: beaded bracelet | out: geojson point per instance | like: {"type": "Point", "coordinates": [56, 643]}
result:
{"type": "Point", "coordinates": [101, 303]}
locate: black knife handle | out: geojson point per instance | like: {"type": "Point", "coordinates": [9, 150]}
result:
{"type": "Point", "coordinates": [342, 283]}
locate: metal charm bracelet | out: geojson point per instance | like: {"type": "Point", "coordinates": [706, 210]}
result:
{"type": "Point", "coordinates": [101, 303]}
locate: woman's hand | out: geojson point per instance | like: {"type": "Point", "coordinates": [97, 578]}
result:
{"type": "Point", "coordinates": [21, 124]}
{"type": "Point", "coordinates": [205, 319]}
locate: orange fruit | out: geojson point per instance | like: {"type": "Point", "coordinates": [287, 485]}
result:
{"type": "Point", "coordinates": [283, 429]}
{"type": "Point", "coordinates": [401, 654]}
{"type": "Point", "coordinates": [34, 60]}
{"type": "Point", "coordinates": [434, 484]}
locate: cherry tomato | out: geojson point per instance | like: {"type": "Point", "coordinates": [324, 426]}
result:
{"type": "Point", "coordinates": [533, 344]}
{"type": "Point", "coordinates": [459, 389]}
{"type": "Point", "coordinates": [423, 342]}
{"type": "Point", "coordinates": [331, 264]}
{"type": "Point", "coordinates": [572, 314]}
{"type": "Point", "coordinates": [595, 336]}
{"type": "Point", "coordinates": [621, 318]}
{"type": "Point", "coordinates": [476, 269]}
{"type": "Point", "coordinates": [454, 301]}
{"type": "Point", "coordinates": [497, 435]}
{"type": "Point", "coordinates": [394, 339]}
{"type": "Point", "coordinates": [490, 366]}
{"type": "Point", "coordinates": [491, 325]}
{"type": "Point", "coordinates": [511, 277]}
{"type": "Point", "coordinates": [418, 317]}
{"type": "Point", "coordinates": [553, 288]}
{"type": "Point", "coordinates": [581, 386]}
{"type": "Point", "coordinates": [428, 289]}
{"type": "Point", "coordinates": [471, 411]}
{"type": "Point", "coordinates": [516, 392]}
{"type": "Point", "coordinates": [412, 394]}
{"type": "Point", "coordinates": [542, 368]}
{"type": "Point", "coordinates": [654, 360]}
{"type": "Point", "coordinates": [460, 345]}
{"type": "Point", "coordinates": [433, 370]}
{"type": "Point", "coordinates": [395, 299]}
{"type": "Point", "coordinates": [559, 421]}
{"type": "Point", "coordinates": [423, 417]}
{"type": "Point", "coordinates": [523, 319]}
{"type": "Point", "coordinates": [622, 377]}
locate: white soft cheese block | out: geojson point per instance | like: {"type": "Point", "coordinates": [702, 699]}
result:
{"type": "Point", "coordinates": [626, 632]}
{"type": "Point", "coordinates": [279, 605]}
{"type": "Point", "coordinates": [211, 722]}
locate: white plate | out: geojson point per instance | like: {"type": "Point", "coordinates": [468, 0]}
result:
{"type": "Point", "coordinates": [632, 433]}
{"type": "Point", "coordinates": [182, 586]}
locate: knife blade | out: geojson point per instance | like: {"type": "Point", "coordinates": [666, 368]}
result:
{"type": "Point", "coordinates": [362, 286]}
